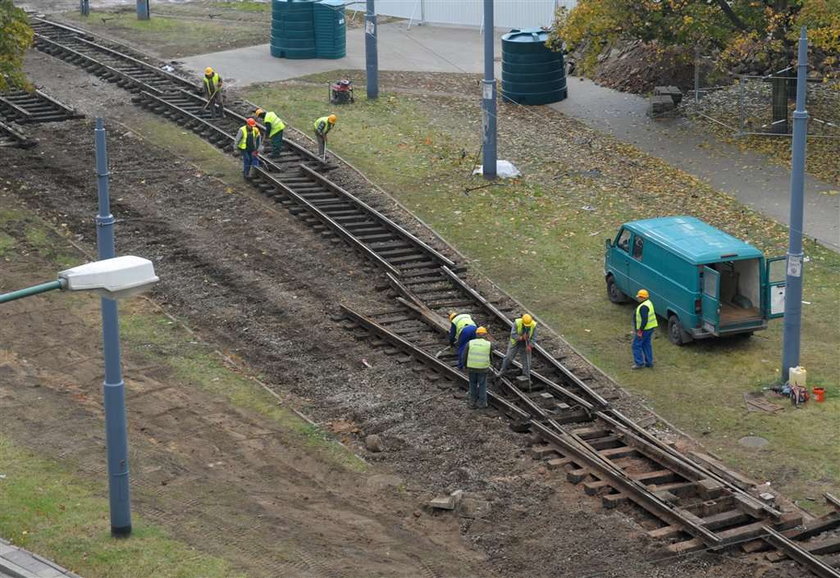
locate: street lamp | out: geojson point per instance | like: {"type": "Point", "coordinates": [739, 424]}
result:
{"type": "Point", "coordinates": [113, 279]}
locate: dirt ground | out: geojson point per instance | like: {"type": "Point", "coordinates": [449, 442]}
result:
{"type": "Point", "coordinates": [254, 282]}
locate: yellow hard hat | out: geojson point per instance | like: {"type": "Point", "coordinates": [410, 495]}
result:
{"type": "Point", "coordinates": [527, 320]}
{"type": "Point", "coordinates": [258, 112]}
{"type": "Point", "coordinates": [642, 294]}
{"type": "Point", "coordinates": [452, 315]}
{"type": "Point", "coordinates": [332, 118]}
{"type": "Point", "coordinates": [481, 331]}
{"type": "Point", "coordinates": [208, 70]}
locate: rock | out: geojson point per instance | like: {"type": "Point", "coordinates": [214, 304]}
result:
{"type": "Point", "coordinates": [373, 443]}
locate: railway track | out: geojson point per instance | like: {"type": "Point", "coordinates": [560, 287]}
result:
{"type": "Point", "coordinates": [698, 503]}
{"type": "Point", "coordinates": [19, 108]}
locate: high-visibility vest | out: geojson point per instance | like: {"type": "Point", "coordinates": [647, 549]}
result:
{"type": "Point", "coordinates": [651, 320]}
{"type": "Point", "coordinates": [518, 325]}
{"type": "Point", "coordinates": [478, 354]}
{"type": "Point", "coordinates": [243, 136]}
{"type": "Point", "coordinates": [276, 124]}
{"type": "Point", "coordinates": [461, 321]}
{"type": "Point", "coordinates": [212, 83]}
{"type": "Point", "coordinates": [326, 125]}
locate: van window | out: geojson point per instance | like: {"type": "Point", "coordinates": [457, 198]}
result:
{"type": "Point", "coordinates": [638, 245]}
{"type": "Point", "coordinates": [624, 241]}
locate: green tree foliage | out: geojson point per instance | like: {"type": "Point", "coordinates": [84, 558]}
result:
{"type": "Point", "coordinates": [15, 38]}
{"type": "Point", "coordinates": [763, 32]}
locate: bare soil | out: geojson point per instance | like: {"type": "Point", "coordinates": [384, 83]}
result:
{"type": "Point", "coordinates": [256, 283]}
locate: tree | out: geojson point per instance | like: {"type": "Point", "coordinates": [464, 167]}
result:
{"type": "Point", "coordinates": [15, 38]}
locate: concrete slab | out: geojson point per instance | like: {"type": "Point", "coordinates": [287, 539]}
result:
{"type": "Point", "coordinates": [751, 177]}
{"type": "Point", "coordinates": [19, 563]}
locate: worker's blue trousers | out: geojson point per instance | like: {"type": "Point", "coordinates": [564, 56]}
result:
{"type": "Point", "coordinates": [249, 159]}
{"type": "Point", "coordinates": [643, 348]}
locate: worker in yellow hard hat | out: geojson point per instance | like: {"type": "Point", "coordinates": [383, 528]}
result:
{"type": "Point", "coordinates": [476, 358]}
{"type": "Point", "coordinates": [523, 336]}
{"type": "Point", "coordinates": [644, 322]}
{"type": "Point", "coordinates": [274, 128]}
{"type": "Point", "coordinates": [324, 125]}
{"type": "Point", "coordinates": [213, 92]}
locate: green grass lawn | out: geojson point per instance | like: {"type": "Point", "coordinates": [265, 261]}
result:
{"type": "Point", "coordinates": [541, 238]}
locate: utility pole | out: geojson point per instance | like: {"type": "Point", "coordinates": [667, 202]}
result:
{"type": "Point", "coordinates": [371, 56]}
{"type": "Point", "coordinates": [116, 430]}
{"type": "Point", "coordinates": [488, 97]}
{"type": "Point", "coordinates": [795, 256]}
{"type": "Point", "coordinates": [84, 7]}
{"type": "Point", "coordinates": [143, 9]}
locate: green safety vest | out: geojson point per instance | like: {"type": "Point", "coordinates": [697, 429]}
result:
{"type": "Point", "coordinates": [518, 325]}
{"type": "Point", "coordinates": [212, 82]}
{"type": "Point", "coordinates": [327, 125]}
{"type": "Point", "coordinates": [243, 137]}
{"type": "Point", "coordinates": [276, 124]}
{"type": "Point", "coordinates": [478, 354]}
{"type": "Point", "coordinates": [651, 321]}
{"type": "Point", "coordinates": [460, 322]}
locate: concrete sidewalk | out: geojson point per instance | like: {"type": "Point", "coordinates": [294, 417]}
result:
{"type": "Point", "coordinates": [751, 177]}
{"type": "Point", "coordinates": [19, 563]}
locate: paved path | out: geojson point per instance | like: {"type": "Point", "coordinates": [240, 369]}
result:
{"type": "Point", "coordinates": [19, 563]}
{"type": "Point", "coordinates": [751, 177]}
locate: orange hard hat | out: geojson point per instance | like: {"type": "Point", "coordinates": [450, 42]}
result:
{"type": "Point", "coordinates": [332, 118]}
{"type": "Point", "coordinates": [251, 122]}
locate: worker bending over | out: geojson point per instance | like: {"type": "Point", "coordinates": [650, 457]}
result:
{"type": "Point", "coordinates": [461, 331]}
{"type": "Point", "coordinates": [274, 128]}
{"type": "Point", "coordinates": [247, 144]}
{"type": "Point", "coordinates": [322, 126]}
{"type": "Point", "coordinates": [523, 336]}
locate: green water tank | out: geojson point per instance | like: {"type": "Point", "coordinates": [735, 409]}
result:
{"type": "Point", "coordinates": [531, 73]}
{"type": "Point", "coordinates": [292, 29]}
{"type": "Point", "coordinates": [330, 29]}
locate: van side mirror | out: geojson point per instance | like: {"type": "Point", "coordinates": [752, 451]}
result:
{"type": "Point", "coordinates": [608, 243]}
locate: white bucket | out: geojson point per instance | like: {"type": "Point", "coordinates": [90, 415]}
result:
{"type": "Point", "coordinates": [797, 376]}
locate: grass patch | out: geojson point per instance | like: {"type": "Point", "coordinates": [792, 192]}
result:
{"type": "Point", "coordinates": [44, 508]}
{"type": "Point", "coordinates": [24, 233]}
{"type": "Point", "coordinates": [541, 238]}
{"type": "Point", "coordinates": [174, 36]}
{"type": "Point", "coordinates": [193, 363]}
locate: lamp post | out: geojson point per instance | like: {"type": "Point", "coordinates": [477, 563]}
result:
{"type": "Point", "coordinates": [113, 279]}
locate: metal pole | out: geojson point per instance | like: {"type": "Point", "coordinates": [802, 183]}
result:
{"type": "Point", "coordinates": [696, 74]}
{"type": "Point", "coordinates": [34, 290]}
{"type": "Point", "coordinates": [116, 430]}
{"type": "Point", "coordinates": [143, 10]}
{"type": "Point", "coordinates": [795, 256]}
{"type": "Point", "coordinates": [371, 56]}
{"type": "Point", "coordinates": [489, 97]}
{"type": "Point", "coordinates": [84, 7]}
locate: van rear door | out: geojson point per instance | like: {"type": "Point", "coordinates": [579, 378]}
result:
{"type": "Point", "coordinates": [774, 298]}
{"type": "Point", "coordinates": [710, 300]}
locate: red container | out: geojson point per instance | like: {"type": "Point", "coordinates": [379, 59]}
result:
{"type": "Point", "coordinates": [819, 394]}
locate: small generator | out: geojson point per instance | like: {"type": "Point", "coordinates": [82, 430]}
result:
{"type": "Point", "coordinates": [341, 92]}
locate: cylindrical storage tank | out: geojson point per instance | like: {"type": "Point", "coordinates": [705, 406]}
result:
{"type": "Point", "coordinates": [531, 73]}
{"type": "Point", "coordinates": [292, 29]}
{"type": "Point", "coordinates": [330, 29]}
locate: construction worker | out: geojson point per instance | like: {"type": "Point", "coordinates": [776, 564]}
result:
{"type": "Point", "coordinates": [213, 91]}
{"type": "Point", "coordinates": [461, 331]}
{"type": "Point", "coordinates": [476, 357]}
{"type": "Point", "coordinates": [274, 128]}
{"type": "Point", "coordinates": [322, 126]}
{"type": "Point", "coordinates": [644, 322]}
{"type": "Point", "coordinates": [247, 144]}
{"type": "Point", "coordinates": [523, 336]}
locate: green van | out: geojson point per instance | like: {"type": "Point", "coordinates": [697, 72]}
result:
{"type": "Point", "coordinates": [704, 282]}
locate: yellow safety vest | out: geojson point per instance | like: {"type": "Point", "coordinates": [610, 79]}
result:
{"type": "Point", "coordinates": [211, 88]}
{"type": "Point", "coordinates": [518, 325]}
{"type": "Point", "coordinates": [327, 125]}
{"type": "Point", "coordinates": [242, 143]}
{"type": "Point", "coordinates": [478, 354]}
{"type": "Point", "coordinates": [460, 322]}
{"type": "Point", "coordinates": [276, 124]}
{"type": "Point", "coordinates": [651, 320]}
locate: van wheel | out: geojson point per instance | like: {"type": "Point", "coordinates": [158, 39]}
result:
{"type": "Point", "coordinates": [614, 293]}
{"type": "Point", "coordinates": [676, 334]}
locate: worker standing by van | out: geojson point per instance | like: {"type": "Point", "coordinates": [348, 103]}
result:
{"type": "Point", "coordinates": [644, 322]}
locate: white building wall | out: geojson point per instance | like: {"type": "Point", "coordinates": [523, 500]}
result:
{"type": "Point", "coordinates": [507, 13]}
